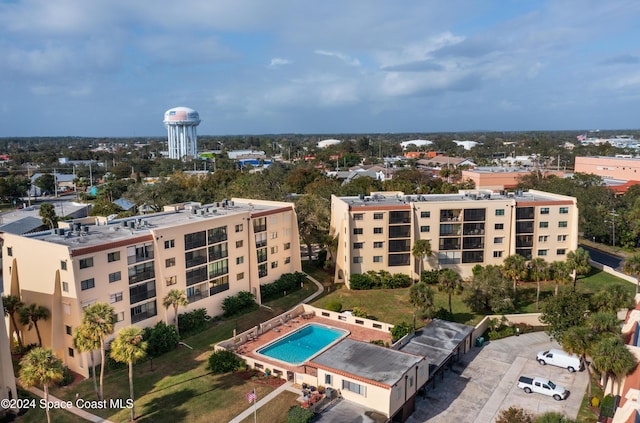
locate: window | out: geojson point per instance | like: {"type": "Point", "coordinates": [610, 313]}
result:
{"type": "Point", "coordinates": [169, 244]}
{"type": "Point", "coordinates": [115, 256]}
{"type": "Point", "coordinates": [498, 240]}
{"type": "Point", "coordinates": [542, 252]}
{"type": "Point", "coordinates": [259, 224]}
{"type": "Point", "coordinates": [357, 231]}
{"type": "Point", "coordinates": [358, 216]}
{"type": "Point", "coordinates": [239, 244]}
{"type": "Point", "coordinates": [357, 260]}
{"type": "Point", "coordinates": [377, 230]}
{"type": "Point", "coordinates": [171, 280]}
{"type": "Point", "coordinates": [378, 216]}
{"type": "Point", "coordinates": [358, 245]}
{"type": "Point", "coordinates": [65, 286]}
{"type": "Point", "coordinates": [86, 262]}
{"type": "Point", "coordinates": [544, 224]}
{"type": "Point", "coordinates": [67, 329]}
{"type": "Point", "coordinates": [142, 292]}
{"type": "Point", "coordinates": [114, 298]}
{"type": "Point", "coordinates": [561, 251]}
{"type": "Point", "coordinates": [497, 254]}
{"type": "Point", "coordinates": [274, 264]}
{"type": "Point", "coordinates": [10, 252]}
{"type": "Point", "coordinates": [564, 210]}
{"type": "Point", "coordinates": [274, 235]}
{"type": "Point", "coordinates": [274, 249]}
{"type": "Point", "coordinates": [544, 210]}
{"type": "Point", "coordinates": [240, 276]}
{"type": "Point", "coordinates": [195, 240]}
{"type": "Point", "coordinates": [378, 244]}
{"type": "Point", "coordinates": [239, 228]}
{"type": "Point", "coordinates": [425, 214]}
{"type": "Point", "coordinates": [543, 238]}
{"type": "Point", "coordinates": [328, 379]}
{"type": "Point", "coordinates": [118, 317]}
{"type": "Point", "coordinates": [425, 228]}
{"type": "Point", "coordinates": [240, 260]}
{"type": "Point", "coordinates": [562, 237]}
{"type": "Point", "coordinates": [216, 235]}
{"type": "Point", "coordinates": [499, 212]}
{"type": "Point", "coordinates": [261, 240]}
{"type": "Point", "coordinates": [170, 262]}
{"type": "Point", "coordinates": [218, 268]}
{"type": "Point", "coordinates": [261, 255]}
{"type": "Point", "coordinates": [287, 245]}
{"type": "Point", "coordinates": [377, 259]}
{"type": "Point", "coordinates": [115, 276]}
{"type": "Point", "coordinates": [63, 264]}
{"type": "Point", "coordinates": [562, 224]}
{"type": "Point", "coordinates": [70, 352]}
{"type": "Point", "coordinates": [287, 260]}
{"type": "Point", "coordinates": [353, 387]}
{"type": "Point", "coordinates": [499, 226]}
{"type": "Point", "coordinates": [87, 284]}
{"type": "Point", "coordinates": [262, 270]}
{"type": "Point", "coordinates": [143, 311]}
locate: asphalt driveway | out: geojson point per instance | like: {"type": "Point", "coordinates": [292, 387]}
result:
{"type": "Point", "coordinates": [485, 382]}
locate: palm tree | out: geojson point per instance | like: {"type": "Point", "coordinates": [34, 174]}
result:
{"type": "Point", "coordinates": [31, 314]}
{"type": "Point", "coordinates": [128, 347]}
{"type": "Point", "coordinates": [421, 296]}
{"type": "Point", "coordinates": [631, 266]}
{"type": "Point", "coordinates": [578, 263]}
{"type": "Point", "coordinates": [561, 273]}
{"type": "Point", "coordinates": [612, 358]}
{"type": "Point", "coordinates": [41, 367]}
{"type": "Point", "coordinates": [12, 305]}
{"type": "Point", "coordinates": [515, 269]}
{"type": "Point", "coordinates": [450, 282]}
{"type": "Point", "coordinates": [539, 269]}
{"type": "Point", "coordinates": [99, 319]}
{"type": "Point", "coordinates": [87, 340]}
{"type": "Point", "coordinates": [579, 340]}
{"type": "Point", "coordinates": [175, 298]}
{"type": "Point", "coordinates": [421, 250]}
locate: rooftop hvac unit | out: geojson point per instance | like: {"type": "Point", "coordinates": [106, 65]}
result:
{"type": "Point", "coordinates": [61, 231]}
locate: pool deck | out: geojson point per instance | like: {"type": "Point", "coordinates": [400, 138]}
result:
{"type": "Point", "coordinates": [356, 332]}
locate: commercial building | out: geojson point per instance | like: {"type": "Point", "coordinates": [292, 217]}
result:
{"type": "Point", "coordinates": [479, 227]}
{"type": "Point", "coordinates": [625, 168]}
{"type": "Point", "coordinates": [500, 178]}
{"type": "Point", "coordinates": [210, 251]}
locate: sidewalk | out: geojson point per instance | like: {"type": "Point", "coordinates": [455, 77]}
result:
{"type": "Point", "coordinates": [77, 411]}
{"type": "Point", "coordinates": [249, 411]}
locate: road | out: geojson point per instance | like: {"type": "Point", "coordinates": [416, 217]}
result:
{"type": "Point", "coordinates": [602, 257]}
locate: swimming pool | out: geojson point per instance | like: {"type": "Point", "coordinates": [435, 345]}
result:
{"type": "Point", "coordinates": [298, 346]}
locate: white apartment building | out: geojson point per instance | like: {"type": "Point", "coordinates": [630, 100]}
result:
{"type": "Point", "coordinates": [377, 231]}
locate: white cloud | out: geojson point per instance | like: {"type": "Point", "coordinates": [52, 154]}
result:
{"type": "Point", "coordinates": [343, 57]}
{"type": "Point", "coordinates": [277, 62]}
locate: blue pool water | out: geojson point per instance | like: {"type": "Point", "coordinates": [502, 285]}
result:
{"type": "Point", "coordinates": [298, 346]}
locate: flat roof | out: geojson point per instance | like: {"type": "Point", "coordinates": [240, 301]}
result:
{"type": "Point", "coordinates": [437, 341]}
{"type": "Point", "coordinates": [366, 360]}
{"type": "Point", "coordinates": [377, 199]}
{"type": "Point", "coordinates": [144, 225]}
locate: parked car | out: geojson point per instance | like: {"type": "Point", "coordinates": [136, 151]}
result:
{"type": "Point", "coordinates": [542, 386]}
{"type": "Point", "coordinates": [560, 358]}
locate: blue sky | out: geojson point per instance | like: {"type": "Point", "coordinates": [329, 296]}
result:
{"type": "Point", "coordinates": [112, 67]}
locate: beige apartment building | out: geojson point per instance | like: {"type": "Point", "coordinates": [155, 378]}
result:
{"type": "Point", "coordinates": [211, 252]}
{"type": "Point", "coordinates": [479, 227]}
{"type": "Point", "coordinates": [7, 377]}
{"type": "Point", "coordinates": [500, 178]}
{"type": "Point", "coordinates": [625, 168]}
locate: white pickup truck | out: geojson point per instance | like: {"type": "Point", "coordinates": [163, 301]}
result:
{"type": "Point", "coordinates": [542, 386]}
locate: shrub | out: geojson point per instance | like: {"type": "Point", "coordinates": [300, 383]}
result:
{"type": "Point", "coordinates": [298, 414]}
{"type": "Point", "coordinates": [379, 280]}
{"type": "Point", "coordinates": [287, 283]}
{"type": "Point", "coordinates": [334, 306]}
{"type": "Point", "coordinates": [193, 321]}
{"type": "Point", "coordinates": [444, 314]}
{"type": "Point", "coordinates": [400, 330]}
{"type": "Point", "coordinates": [360, 282]}
{"type": "Point", "coordinates": [430, 277]}
{"type": "Point", "coordinates": [67, 377]}
{"type": "Point", "coordinates": [514, 415]}
{"type": "Point", "coordinates": [161, 339]}
{"type": "Point", "coordinates": [243, 302]}
{"type": "Point", "coordinates": [224, 361]}
{"type": "Point", "coordinates": [359, 312]}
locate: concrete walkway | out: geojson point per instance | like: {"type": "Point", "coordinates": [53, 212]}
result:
{"type": "Point", "coordinates": [77, 411]}
{"type": "Point", "coordinates": [315, 294]}
{"type": "Point", "coordinates": [262, 401]}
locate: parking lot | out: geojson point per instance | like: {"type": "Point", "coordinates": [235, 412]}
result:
{"type": "Point", "coordinates": [485, 382]}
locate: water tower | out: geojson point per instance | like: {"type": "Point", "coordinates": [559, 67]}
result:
{"type": "Point", "coordinates": [181, 123]}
